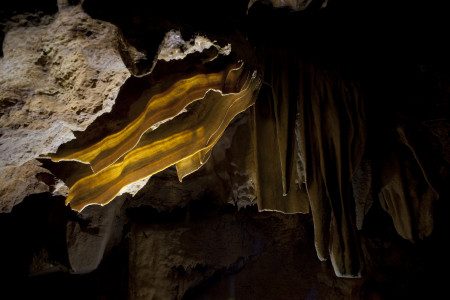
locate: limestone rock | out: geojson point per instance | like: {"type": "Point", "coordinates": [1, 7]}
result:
{"type": "Point", "coordinates": [175, 47]}
{"type": "Point", "coordinates": [19, 182]}
{"type": "Point", "coordinates": [200, 249]}
{"type": "Point", "coordinates": [56, 78]}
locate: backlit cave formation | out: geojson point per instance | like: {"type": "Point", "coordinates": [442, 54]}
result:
{"type": "Point", "coordinates": [227, 150]}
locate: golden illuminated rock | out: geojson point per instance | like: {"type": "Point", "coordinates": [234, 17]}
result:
{"type": "Point", "coordinates": [160, 107]}
{"type": "Point", "coordinates": [163, 134]}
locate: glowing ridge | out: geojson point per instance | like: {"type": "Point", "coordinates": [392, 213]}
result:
{"type": "Point", "coordinates": [186, 140]}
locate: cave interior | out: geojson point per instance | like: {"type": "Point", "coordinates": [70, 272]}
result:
{"type": "Point", "coordinates": [228, 150]}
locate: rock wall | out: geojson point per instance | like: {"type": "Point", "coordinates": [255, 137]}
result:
{"type": "Point", "coordinates": [56, 78]}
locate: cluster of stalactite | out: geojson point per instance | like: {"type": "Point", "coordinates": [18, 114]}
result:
{"type": "Point", "coordinates": [313, 121]}
{"type": "Point", "coordinates": [318, 121]}
{"type": "Point", "coordinates": [175, 115]}
{"type": "Point", "coordinates": [309, 137]}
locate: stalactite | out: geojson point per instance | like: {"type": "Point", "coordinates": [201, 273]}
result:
{"type": "Point", "coordinates": [406, 192]}
{"type": "Point", "coordinates": [283, 72]}
{"type": "Point", "coordinates": [331, 132]}
{"type": "Point", "coordinates": [269, 175]}
{"type": "Point", "coordinates": [362, 191]}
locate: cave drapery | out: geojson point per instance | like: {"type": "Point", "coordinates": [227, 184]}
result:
{"type": "Point", "coordinates": [308, 139]}
{"type": "Point", "coordinates": [330, 139]}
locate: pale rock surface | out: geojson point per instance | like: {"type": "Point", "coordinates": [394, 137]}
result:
{"type": "Point", "coordinates": [56, 79]}
{"type": "Point", "coordinates": [174, 47]}
{"type": "Point", "coordinates": [18, 182]}
{"type": "Point", "coordinates": [135, 187]}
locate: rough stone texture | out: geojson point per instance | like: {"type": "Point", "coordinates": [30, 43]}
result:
{"type": "Point", "coordinates": [175, 47]}
{"type": "Point", "coordinates": [18, 182]}
{"type": "Point", "coordinates": [207, 249]}
{"type": "Point", "coordinates": [56, 78]}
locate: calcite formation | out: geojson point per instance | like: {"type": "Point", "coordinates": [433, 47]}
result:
{"type": "Point", "coordinates": [320, 137]}
{"type": "Point", "coordinates": [154, 138]}
{"type": "Point", "coordinates": [314, 113]}
{"type": "Point", "coordinates": [407, 192]}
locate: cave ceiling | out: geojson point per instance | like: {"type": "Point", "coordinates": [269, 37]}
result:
{"type": "Point", "coordinates": [345, 106]}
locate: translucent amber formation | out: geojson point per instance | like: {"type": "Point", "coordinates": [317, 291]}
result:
{"type": "Point", "coordinates": [178, 125]}
{"type": "Point", "coordinates": [160, 107]}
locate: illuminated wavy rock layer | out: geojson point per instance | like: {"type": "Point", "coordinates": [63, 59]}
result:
{"type": "Point", "coordinates": [156, 133]}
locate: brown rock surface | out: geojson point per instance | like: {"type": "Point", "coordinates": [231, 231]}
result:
{"type": "Point", "coordinates": [203, 250]}
{"type": "Point", "coordinates": [19, 182]}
